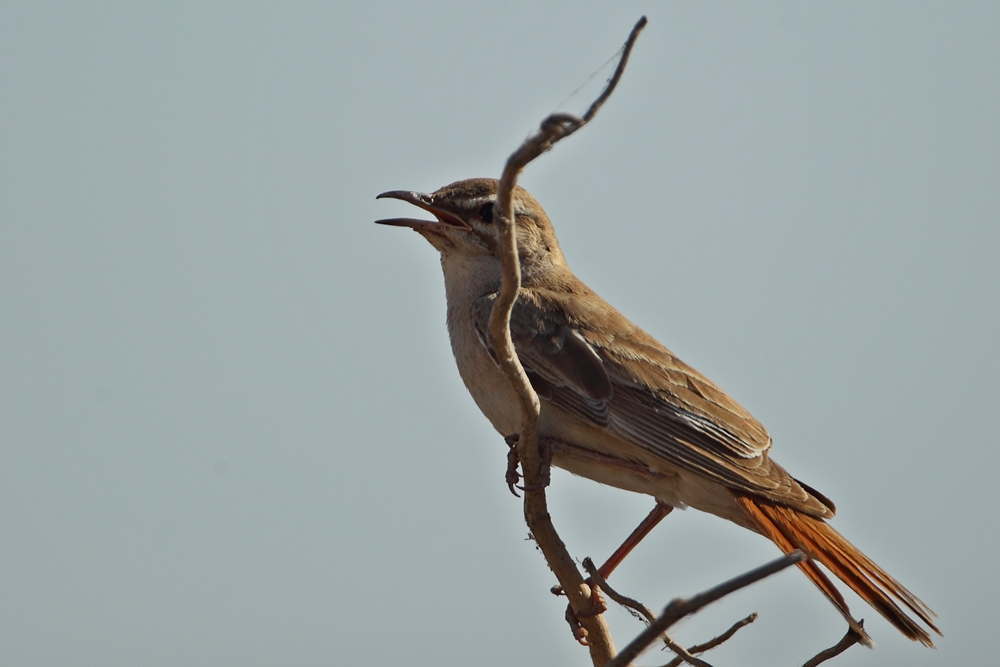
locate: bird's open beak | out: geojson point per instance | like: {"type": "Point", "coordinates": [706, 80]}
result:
{"type": "Point", "coordinates": [425, 202]}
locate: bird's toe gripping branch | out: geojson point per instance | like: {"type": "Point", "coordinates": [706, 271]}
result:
{"type": "Point", "coordinates": [513, 476]}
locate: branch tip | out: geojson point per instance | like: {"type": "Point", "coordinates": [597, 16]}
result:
{"type": "Point", "coordinates": [850, 639]}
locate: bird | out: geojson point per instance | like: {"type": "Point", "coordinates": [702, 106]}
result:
{"type": "Point", "coordinates": [623, 409]}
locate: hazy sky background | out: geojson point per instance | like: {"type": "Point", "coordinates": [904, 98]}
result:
{"type": "Point", "coordinates": [231, 430]}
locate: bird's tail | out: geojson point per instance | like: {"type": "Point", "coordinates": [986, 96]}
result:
{"type": "Point", "coordinates": [790, 530]}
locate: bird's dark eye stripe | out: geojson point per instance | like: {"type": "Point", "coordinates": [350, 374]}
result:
{"type": "Point", "coordinates": [486, 212]}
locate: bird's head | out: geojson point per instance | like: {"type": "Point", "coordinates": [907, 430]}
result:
{"type": "Point", "coordinates": [465, 226]}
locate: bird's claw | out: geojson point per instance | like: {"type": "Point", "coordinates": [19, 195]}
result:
{"type": "Point", "coordinates": [513, 476]}
{"type": "Point", "coordinates": [598, 605]}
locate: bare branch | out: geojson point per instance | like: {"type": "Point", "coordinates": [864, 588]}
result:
{"type": "Point", "coordinates": [683, 655]}
{"type": "Point", "coordinates": [849, 640]}
{"type": "Point", "coordinates": [593, 628]}
{"type": "Point", "coordinates": [624, 601]}
{"type": "Point", "coordinates": [554, 128]}
{"type": "Point", "coordinates": [712, 643]}
{"type": "Point", "coordinates": [613, 81]}
{"type": "Point", "coordinates": [680, 607]}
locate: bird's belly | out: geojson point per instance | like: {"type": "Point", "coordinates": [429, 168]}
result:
{"type": "Point", "coordinates": [487, 384]}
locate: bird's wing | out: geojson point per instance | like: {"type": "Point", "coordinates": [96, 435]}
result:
{"type": "Point", "coordinates": [585, 358]}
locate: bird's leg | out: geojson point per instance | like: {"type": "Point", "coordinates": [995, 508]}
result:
{"type": "Point", "coordinates": [654, 517]}
{"type": "Point", "coordinates": [659, 511]}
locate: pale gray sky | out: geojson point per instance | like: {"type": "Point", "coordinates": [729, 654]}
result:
{"type": "Point", "coordinates": [231, 431]}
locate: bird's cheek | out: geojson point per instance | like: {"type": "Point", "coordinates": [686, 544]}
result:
{"type": "Point", "coordinates": [484, 244]}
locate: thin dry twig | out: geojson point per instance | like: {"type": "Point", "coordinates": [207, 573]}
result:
{"type": "Point", "coordinates": [849, 640]}
{"type": "Point", "coordinates": [712, 643]}
{"type": "Point", "coordinates": [627, 602]}
{"type": "Point", "coordinates": [683, 655]}
{"type": "Point", "coordinates": [681, 607]}
{"type": "Point", "coordinates": [557, 126]}
{"type": "Point", "coordinates": [554, 128]}
{"type": "Point", "coordinates": [619, 70]}
{"type": "Point", "coordinates": [642, 611]}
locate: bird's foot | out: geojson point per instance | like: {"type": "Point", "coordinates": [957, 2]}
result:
{"type": "Point", "coordinates": [512, 476]}
{"type": "Point", "coordinates": [597, 606]}
{"type": "Point", "coordinates": [513, 460]}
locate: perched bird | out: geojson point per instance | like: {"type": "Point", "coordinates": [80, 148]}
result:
{"type": "Point", "coordinates": [622, 408]}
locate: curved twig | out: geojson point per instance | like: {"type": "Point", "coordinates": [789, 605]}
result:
{"type": "Point", "coordinates": [623, 600]}
{"type": "Point", "coordinates": [715, 641]}
{"type": "Point", "coordinates": [849, 640]}
{"type": "Point", "coordinates": [553, 128]}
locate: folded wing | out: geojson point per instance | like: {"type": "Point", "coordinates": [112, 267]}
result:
{"type": "Point", "coordinates": [621, 379]}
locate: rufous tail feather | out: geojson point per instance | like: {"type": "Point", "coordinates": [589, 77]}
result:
{"type": "Point", "coordinates": [791, 529]}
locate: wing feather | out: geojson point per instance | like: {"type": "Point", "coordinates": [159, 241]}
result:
{"type": "Point", "coordinates": [595, 364]}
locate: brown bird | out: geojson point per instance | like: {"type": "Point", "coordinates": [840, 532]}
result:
{"type": "Point", "coordinates": [622, 409]}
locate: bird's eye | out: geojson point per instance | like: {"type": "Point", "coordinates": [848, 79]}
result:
{"type": "Point", "coordinates": [486, 212]}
